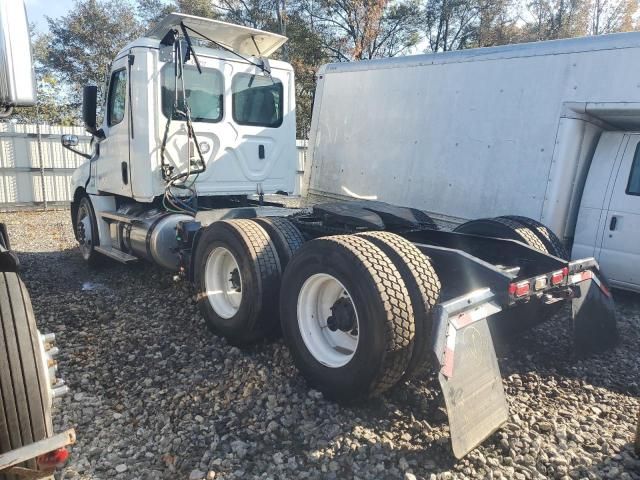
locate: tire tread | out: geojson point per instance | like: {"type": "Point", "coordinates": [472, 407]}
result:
{"type": "Point", "coordinates": [25, 415]}
{"type": "Point", "coordinates": [423, 285]}
{"type": "Point", "coordinates": [546, 236]}
{"type": "Point", "coordinates": [400, 327]}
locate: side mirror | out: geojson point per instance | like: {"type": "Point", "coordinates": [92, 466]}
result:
{"type": "Point", "coordinates": [69, 140]}
{"type": "Point", "coordinates": [89, 107]}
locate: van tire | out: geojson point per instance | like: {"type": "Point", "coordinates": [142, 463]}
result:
{"type": "Point", "coordinates": [25, 404]}
{"type": "Point", "coordinates": [285, 237]}
{"type": "Point", "coordinates": [551, 241]}
{"type": "Point", "coordinates": [383, 311]}
{"type": "Point", "coordinates": [257, 272]}
{"type": "Point", "coordinates": [501, 227]}
{"type": "Point", "coordinates": [423, 286]}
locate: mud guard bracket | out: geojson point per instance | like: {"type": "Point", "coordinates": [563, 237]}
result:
{"type": "Point", "coordinates": [469, 374]}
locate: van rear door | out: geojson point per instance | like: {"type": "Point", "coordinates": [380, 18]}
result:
{"type": "Point", "coordinates": [620, 252]}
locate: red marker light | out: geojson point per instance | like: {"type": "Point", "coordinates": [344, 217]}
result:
{"type": "Point", "coordinates": [559, 276]}
{"type": "Point", "coordinates": [519, 289]}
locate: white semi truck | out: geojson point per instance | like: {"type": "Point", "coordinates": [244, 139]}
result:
{"type": "Point", "coordinates": [545, 130]}
{"type": "Point", "coordinates": [29, 381]}
{"type": "Point", "coordinates": [199, 125]}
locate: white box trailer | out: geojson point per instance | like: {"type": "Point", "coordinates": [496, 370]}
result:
{"type": "Point", "coordinates": [543, 130]}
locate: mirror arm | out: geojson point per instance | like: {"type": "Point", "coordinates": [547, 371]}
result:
{"type": "Point", "coordinates": [82, 154]}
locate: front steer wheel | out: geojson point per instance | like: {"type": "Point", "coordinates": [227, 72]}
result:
{"type": "Point", "coordinates": [346, 317]}
{"type": "Point", "coordinates": [87, 232]}
{"type": "Point", "coordinates": [237, 279]}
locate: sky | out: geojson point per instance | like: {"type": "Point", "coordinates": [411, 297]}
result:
{"type": "Point", "coordinates": [37, 9]}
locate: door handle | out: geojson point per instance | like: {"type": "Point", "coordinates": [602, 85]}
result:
{"type": "Point", "coordinates": [613, 223]}
{"type": "Point", "coordinates": [261, 152]}
{"type": "Point", "coordinates": [124, 167]}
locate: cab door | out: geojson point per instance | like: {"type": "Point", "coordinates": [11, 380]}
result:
{"type": "Point", "coordinates": [620, 251]}
{"type": "Point", "coordinates": [113, 168]}
{"type": "Point", "coordinates": [262, 116]}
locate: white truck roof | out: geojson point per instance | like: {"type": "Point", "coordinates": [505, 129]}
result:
{"type": "Point", "coordinates": [243, 40]}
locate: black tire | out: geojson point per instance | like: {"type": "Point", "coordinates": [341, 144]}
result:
{"type": "Point", "coordinates": [285, 237]}
{"type": "Point", "coordinates": [386, 327]}
{"type": "Point", "coordinates": [547, 237]}
{"type": "Point", "coordinates": [501, 227]}
{"type": "Point", "coordinates": [259, 269]}
{"type": "Point", "coordinates": [87, 246]}
{"type": "Point", "coordinates": [25, 414]}
{"type": "Point", "coordinates": [423, 286]}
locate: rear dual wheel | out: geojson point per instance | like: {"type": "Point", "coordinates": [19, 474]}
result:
{"type": "Point", "coordinates": [354, 310]}
{"type": "Point", "coordinates": [237, 278]}
{"type": "Point", "coordinates": [240, 263]}
{"type": "Point", "coordinates": [423, 286]}
{"type": "Point", "coordinates": [346, 317]}
{"type": "Point", "coordinates": [510, 323]}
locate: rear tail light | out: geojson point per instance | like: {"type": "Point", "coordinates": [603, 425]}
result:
{"type": "Point", "coordinates": [519, 289]}
{"type": "Point", "coordinates": [558, 277]}
{"type": "Point", "coordinates": [54, 459]}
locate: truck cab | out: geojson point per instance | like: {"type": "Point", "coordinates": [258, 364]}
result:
{"type": "Point", "coordinates": [241, 130]}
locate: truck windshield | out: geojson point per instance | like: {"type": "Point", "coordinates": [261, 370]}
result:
{"type": "Point", "coordinates": [257, 100]}
{"type": "Point", "coordinates": [203, 91]}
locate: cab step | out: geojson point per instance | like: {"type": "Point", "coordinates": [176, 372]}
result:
{"type": "Point", "coordinates": [117, 255]}
{"type": "Point", "coordinates": [117, 217]}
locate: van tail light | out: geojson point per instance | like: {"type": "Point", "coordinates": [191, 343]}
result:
{"type": "Point", "coordinates": [519, 289]}
{"type": "Point", "coordinates": [558, 277]}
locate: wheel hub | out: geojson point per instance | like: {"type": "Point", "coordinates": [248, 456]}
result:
{"type": "Point", "coordinates": [81, 233]}
{"type": "Point", "coordinates": [343, 316]}
{"type": "Point", "coordinates": [234, 280]}
{"type": "Point", "coordinates": [328, 320]}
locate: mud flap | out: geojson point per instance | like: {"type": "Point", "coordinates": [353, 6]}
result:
{"type": "Point", "coordinates": [593, 312]}
{"type": "Point", "coordinates": [469, 374]}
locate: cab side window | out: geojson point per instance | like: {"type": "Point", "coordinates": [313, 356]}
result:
{"type": "Point", "coordinates": [117, 97]}
{"type": "Point", "coordinates": [633, 187]}
{"type": "Point", "coordinates": [257, 100]}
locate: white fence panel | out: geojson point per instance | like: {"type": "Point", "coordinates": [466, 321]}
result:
{"type": "Point", "coordinates": [28, 161]}
{"type": "Point", "coordinates": [34, 167]}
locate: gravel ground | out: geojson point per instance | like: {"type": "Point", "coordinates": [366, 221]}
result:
{"type": "Point", "coordinates": [155, 395]}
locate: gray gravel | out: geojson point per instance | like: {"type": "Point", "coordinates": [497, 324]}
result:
{"type": "Point", "coordinates": [155, 395]}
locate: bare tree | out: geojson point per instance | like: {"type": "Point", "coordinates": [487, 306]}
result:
{"type": "Point", "coordinates": [450, 23]}
{"type": "Point", "coordinates": [364, 29]}
{"type": "Point", "coordinates": [610, 16]}
{"type": "Point", "coordinates": [552, 19]}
